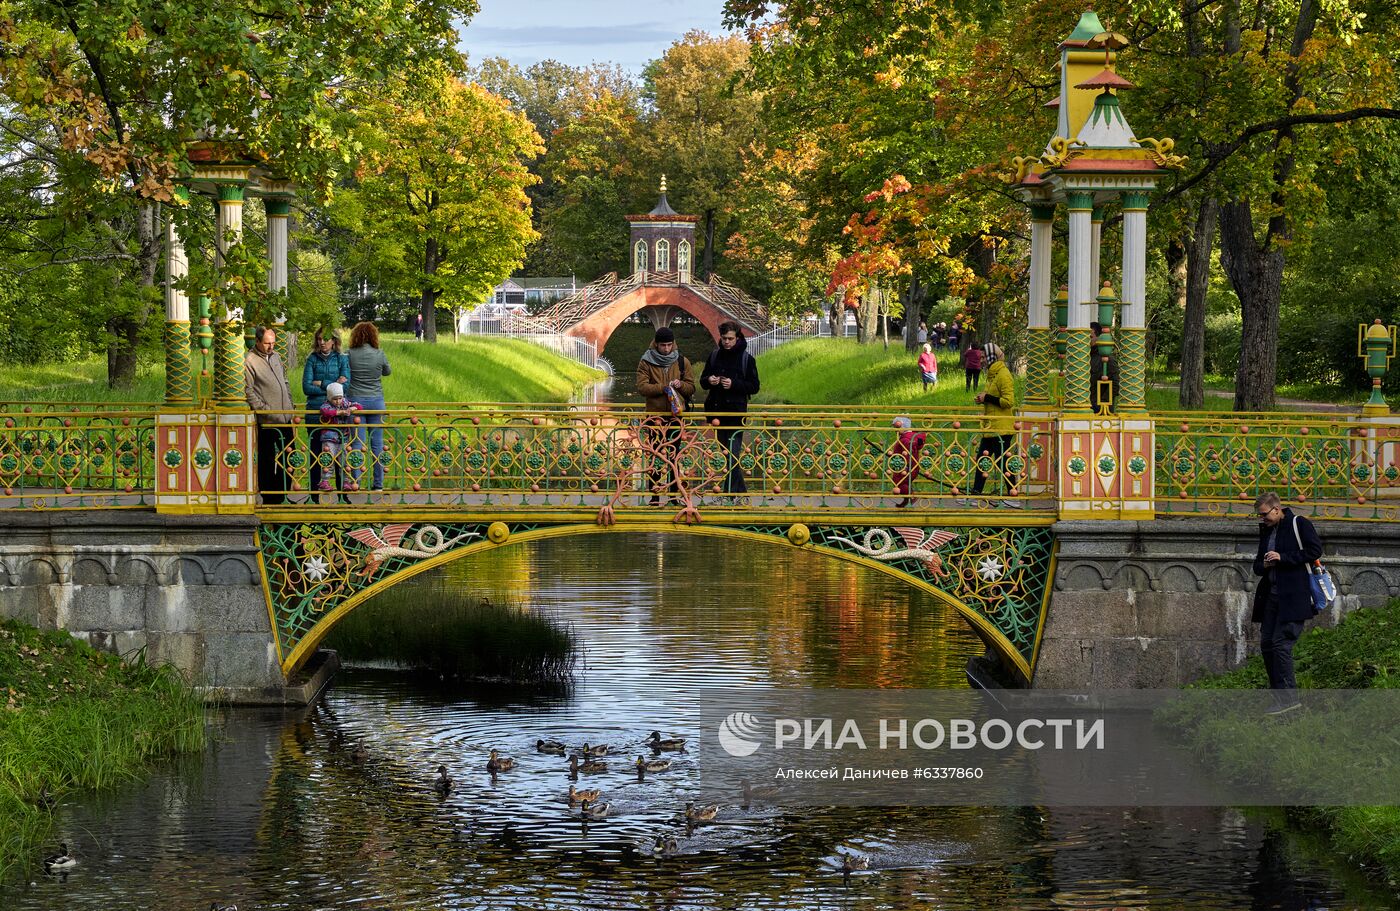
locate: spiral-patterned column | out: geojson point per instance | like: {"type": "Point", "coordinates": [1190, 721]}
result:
{"type": "Point", "coordinates": [228, 366]}
{"type": "Point", "coordinates": [1081, 292]}
{"type": "Point", "coordinates": [179, 372]}
{"type": "Point", "coordinates": [1038, 316]}
{"type": "Point", "coordinates": [1132, 362]}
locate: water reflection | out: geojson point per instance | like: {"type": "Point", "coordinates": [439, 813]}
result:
{"type": "Point", "coordinates": [335, 807]}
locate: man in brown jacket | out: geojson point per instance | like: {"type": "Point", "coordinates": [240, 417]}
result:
{"type": "Point", "coordinates": [665, 379]}
{"type": "Point", "coordinates": [265, 385]}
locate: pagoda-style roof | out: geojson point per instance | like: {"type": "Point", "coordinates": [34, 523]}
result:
{"type": "Point", "coordinates": [1085, 30]}
{"type": "Point", "coordinates": [663, 211]}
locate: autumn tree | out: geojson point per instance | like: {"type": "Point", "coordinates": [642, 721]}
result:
{"type": "Point", "coordinates": [441, 194]}
{"type": "Point", "coordinates": [702, 121]}
{"type": "Point", "coordinates": [124, 88]}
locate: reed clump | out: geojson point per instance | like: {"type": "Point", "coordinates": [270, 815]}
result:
{"type": "Point", "coordinates": [453, 633]}
{"type": "Point", "coordinates": [73, 719]}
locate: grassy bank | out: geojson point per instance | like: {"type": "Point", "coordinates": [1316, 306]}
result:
{"type": "Point", "coordinates": [835, 371]}
{"type": "Point", "coordinates": [450, 633]}
{"type": "Point", "coordinates": [71, 719]}
{"type": "Point", "coordinates": [1363, 652]}
{"type": "Point", "coordinates": [475, 369]}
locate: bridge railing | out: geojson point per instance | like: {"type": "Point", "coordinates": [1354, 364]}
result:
{"type": "Point", "coordinates": [584, 456]}
{"type": "Point", "coordinates": [1336, 465]}
{"type": "Point", "coordinates": [55, 456]}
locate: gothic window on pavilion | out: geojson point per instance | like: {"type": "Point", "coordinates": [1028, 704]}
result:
{"type": "Point", "coordinates": [639, 257]}
{"type": "Point", "coordinates": [663, 256]}
{"type": "Point", "coordinates": [683, 258]}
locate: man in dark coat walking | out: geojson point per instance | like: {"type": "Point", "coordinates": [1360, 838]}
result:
{"type": "Point", "coordinates": [731, 376]}
{"type": "Point", "coordinates": [1288, 546]}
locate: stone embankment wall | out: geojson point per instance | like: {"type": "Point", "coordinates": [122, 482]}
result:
{"type": "Point", "coordinates": [1159, 604]}
{"type": "Point", "coordinates": [185, 590]}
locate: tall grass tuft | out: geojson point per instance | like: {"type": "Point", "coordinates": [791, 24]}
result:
{"type": "Point", "coordinates": [73, 718]}
{"type": "Point", "coordinates": [451, 633]}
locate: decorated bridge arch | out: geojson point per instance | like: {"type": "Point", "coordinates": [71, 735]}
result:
{"type": "Point", "coordinates": [996, 576]}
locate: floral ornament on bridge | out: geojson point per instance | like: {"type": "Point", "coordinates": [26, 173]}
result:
{"type": "Point", "coordinates": [316, 569]}
{"type": "Point", "coordinates": [384, 543]}
{"type": "Point", "coordinates": [990, 569]}
{"type": "Point", "coordinates": [879, 544]}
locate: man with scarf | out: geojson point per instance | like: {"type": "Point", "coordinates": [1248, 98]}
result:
{"type": "Point", "coordinates": [665, 380]}
{"type": "Point", "coordinates": [731, 376]}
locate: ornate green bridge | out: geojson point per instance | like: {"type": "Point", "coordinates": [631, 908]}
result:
{"type": "Point", "coordinates": [461, 479]}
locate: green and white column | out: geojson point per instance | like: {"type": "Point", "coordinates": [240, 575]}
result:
{"type": "Point", "coordinates": [229, 343]}
{"type": "Point", "coordinates": [1038, 317]}
{"type": "Point", "coordinates": [1132, 344]}
{"type": "Point", "coordinates": [1081, 296]}
{"type": "Point", "coordinates": [277, 201]}
{"type": "Point", "coordinates": [179, 373]}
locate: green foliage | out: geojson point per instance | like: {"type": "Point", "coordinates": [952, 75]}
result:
{"type": "Point", "coordinates": [72, 718]}
{"type": "Point", "coordinates": [1362, 652]}
{"type": "Point", "coordinates": [838, 371]}
{"type": "Point", "coordinates": [435, 627]}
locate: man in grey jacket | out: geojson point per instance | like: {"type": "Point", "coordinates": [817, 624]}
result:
{"type": "Point", "coordinates": [265, 384]}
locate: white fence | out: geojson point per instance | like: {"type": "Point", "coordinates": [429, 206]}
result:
{"type": "Point", "coordinates": [536, 331]}
{"type": "Point", "coordinates": [809, 329]}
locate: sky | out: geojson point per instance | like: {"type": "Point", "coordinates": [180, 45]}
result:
{"type": "Point", "coordinates": [579, 32]}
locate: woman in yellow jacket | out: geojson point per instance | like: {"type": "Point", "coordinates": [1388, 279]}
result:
{"type": "Point", "coordinates": [998, 401]}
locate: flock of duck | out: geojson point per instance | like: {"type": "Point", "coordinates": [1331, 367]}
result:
{"type": "Point", "coordinates": [591, 758]}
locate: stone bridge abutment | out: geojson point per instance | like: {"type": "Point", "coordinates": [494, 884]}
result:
{"type": "Point", "coordinates": [1133, 604]}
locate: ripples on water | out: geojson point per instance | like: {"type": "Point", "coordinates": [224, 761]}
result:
{"type": "Point", "coordinates": [285, 814]}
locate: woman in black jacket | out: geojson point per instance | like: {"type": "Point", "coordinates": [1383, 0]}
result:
{"type": "Point", "coordinates": [731, 376]}
{"type": "Point", "coordinates": [1288, 546]}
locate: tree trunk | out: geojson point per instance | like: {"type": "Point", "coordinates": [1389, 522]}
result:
{"type": "Point", "coordinates": [866, 317]}
{"type": "Point", "coordinates": [1197, 250]}
{"type": "Point", "coordinates": [428, 307]}
{"type": "Point", "coordinates": [1257, 276]}
{"type": "Point", "coordinates": [913, 312]}
{"type": "Point", "coordinates": [709, 243]}
{"type": "Point", "coordinates": [884, 317]}
{"type": "Point", "coordinates": [125, 329]}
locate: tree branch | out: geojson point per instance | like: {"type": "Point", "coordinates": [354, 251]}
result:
{"type": "Point", "coordinates": [1271, 126]}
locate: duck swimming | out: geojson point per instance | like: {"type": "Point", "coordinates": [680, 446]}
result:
{"type": "Point", "coordinates": [588, 752]}
{"type": "Point", "coordinates": [590, 810]}
{"type": "Point", "coordinates": [552, 747]}
{"type": "Point", "coordinates": [498, 763]}
{"type": "Point", "coordinates": [443, 784]}
{"type": "Point", "coordinates": [657, 742]}
{"type": "Point", "coordinates": [851, 863]}
{"type": "Point", "coordinates": [359, 754]}
{"type": "Point", "coordinates": [665, 846]}
{"type": "Point", "coordinates": [700, 814]}
{"type": "Point", "coordinates": [652, 765]}
{"type": "Point", "coordinates": [57, 863]}
{"type": "Point", "coordinates": [588, 765]}
{"type": "Point", "coordinates": [760, 793]}
{"type": "Point", "coordinates": [575, 795]}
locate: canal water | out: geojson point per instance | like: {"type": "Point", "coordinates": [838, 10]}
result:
{"type": "Point", "coordinates": [335, 808]}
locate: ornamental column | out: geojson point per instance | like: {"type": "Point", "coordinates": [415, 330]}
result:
{"type": "Point", "coordinates": [1132, 344]}
{"type": "Point", "coordinates": [1081, 294]}
{"type": "Point", "coordinates": [179, 376]}
{"type": "Point", "coordinates": [1038, 306]}
{"type": "Point", "coordinates": [229, 346]}
{"type": "Point", "coordinates": [277, 201]}
{"type": "Point", "coordinates": [1095, 246]}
